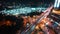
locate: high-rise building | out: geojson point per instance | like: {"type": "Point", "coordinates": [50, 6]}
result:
{"type": "Point", "coordinates": [57, 4]}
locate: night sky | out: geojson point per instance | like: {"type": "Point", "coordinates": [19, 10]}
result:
{"type": "Point", "coordinates": [27, 1]}
{"type": "Point", "coordinates": [32, 3]}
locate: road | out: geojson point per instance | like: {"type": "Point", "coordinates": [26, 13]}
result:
{"type": "Point", "coordinates": [42, 16]}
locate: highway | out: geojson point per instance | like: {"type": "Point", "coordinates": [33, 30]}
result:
{"type": "Point", "coordinates": [42, 16]}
